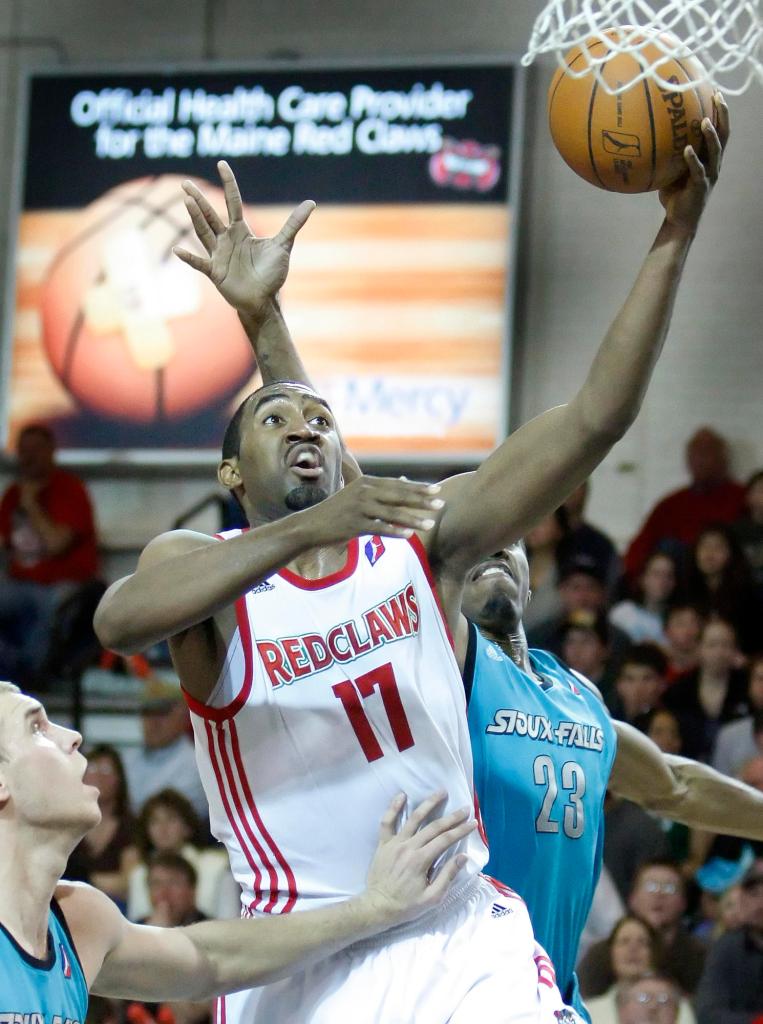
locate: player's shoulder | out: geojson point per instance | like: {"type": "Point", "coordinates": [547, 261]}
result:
{"type": "Point", "coordinates": [173, 543]}
{"type": "Point", "coordinates": [551, 661]}
{"type": "Point", "coordinates": [93, 920]}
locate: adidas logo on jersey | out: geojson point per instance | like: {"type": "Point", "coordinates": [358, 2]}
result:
{"type": "Point", "coordinates": [500, 911]}
{"type": "Point", "coordinates": [262, 588]}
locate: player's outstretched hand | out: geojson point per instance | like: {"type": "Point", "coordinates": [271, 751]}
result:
{"type": "Point", "coordinates": [685, 199]}
{"type": "Point", "coordinates": [247, 271]}
{"type": "Point", "coordinates": [388, 506]}
{"type": "Point", "coordinates": [401, 882]}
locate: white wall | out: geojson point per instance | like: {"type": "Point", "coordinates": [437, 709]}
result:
{"type": "Point", "coordinates": [580, 250]}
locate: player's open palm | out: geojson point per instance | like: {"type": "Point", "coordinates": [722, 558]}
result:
{"type": "Point", "coordinates": [247, 271]}
{"type": "Point", "coordinates": [685, 199]}
{"type": "Point", "coordinates": [388, 506]}
{"type": "Point", "coordinates": [402, 882]}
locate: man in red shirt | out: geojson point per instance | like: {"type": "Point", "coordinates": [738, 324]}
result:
{"type": "Point", "coordinates": [47, 530]}
{"type": "Point", "coordinates": [676, 521]}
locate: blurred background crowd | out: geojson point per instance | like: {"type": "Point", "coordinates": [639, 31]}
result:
{"type": "Point", "coordinates": [669, 629]}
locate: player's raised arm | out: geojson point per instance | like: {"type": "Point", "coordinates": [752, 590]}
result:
{"type": "Point", "coordinates": [217, 957]}
{"type": "Point", "coordinates": [535, 469]}
{"type": "Point", "coordinates": [682, 789]}
{"type": "Point", "coordinates": [249, 272]}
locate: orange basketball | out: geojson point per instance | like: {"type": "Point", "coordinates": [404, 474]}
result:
{"type": "Point", "coordinates": [632, 142]}
{"type": "Point", "coordinates": [131, 332]}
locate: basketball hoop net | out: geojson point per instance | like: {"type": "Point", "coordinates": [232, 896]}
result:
{"type": "Point", "coordinates": [725, 36]}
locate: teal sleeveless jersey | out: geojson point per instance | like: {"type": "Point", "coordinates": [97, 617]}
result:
{"type": "Point", "coordinates": [49, 991]}
{"type": "Point", "coordinates": [543, 751]}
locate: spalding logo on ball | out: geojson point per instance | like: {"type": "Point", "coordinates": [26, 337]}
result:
{"type": "Point", "coordinates": [634, 141]}
{"type": "Point", "coordinates": [131, 332]}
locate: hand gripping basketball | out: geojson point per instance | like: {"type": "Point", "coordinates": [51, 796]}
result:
{"type": "Point", "coordinates": [247, 271]}
{"type": "Point", "coordinates": [685, 199]}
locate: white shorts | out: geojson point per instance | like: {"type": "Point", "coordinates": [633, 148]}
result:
{"type": "Point", "coordinates": [474, 960]}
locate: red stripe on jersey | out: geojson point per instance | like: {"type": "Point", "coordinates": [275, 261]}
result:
{"type": "Point", "coordinates": [231, 709]}
{"type": "Point", "coordinates": [258, 894]}
{"type": "Point", "coordinates": [546, 972]}
{"type": "Point", "coordinates": [325, 581]}
{"type": "Point", "coordinates": [220, 1013]}
{"type": "Point", "coordinates": [244, 821]}
{"type": "Point", "coordinates": [290, 879]}
{"type": "Point", "coordinates": [421, 554]}
{"type": "Point", "coordinates": [480, 823]}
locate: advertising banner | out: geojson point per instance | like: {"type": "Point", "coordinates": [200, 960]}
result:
{"type": "Point", "coordinates": [397, 297]}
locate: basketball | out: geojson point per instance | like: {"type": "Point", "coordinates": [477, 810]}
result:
{"type": "Point", "coordinates": [131, 332]}
{"type": "Point", "coordinates": [632, 142]}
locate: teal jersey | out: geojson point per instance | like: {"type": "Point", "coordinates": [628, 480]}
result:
{"type": "Point", "coordinates": [543, 752]}
{"type": "Point", "coordinates": [49, 991]}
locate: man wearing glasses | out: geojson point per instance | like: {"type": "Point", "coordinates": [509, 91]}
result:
{"type": "Point", "coordinates": [649, 999]}
{"type": "Point", "coordinates": [658, 896]}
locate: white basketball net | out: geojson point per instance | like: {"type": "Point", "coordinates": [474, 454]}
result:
{"type": "Point", "coordinates": [724, 35]}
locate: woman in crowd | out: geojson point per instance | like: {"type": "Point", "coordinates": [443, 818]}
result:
{"type": "Point", "coordinates": [642, 617]}
{"type": "Point", "coordinates": [168, 824]}
{"type": "Point", "coordinates": [714, 693]}
{"type": "Point", "coordinates": [107, 854]}
{"type": "Point", "coordinates": [719, 582]}
{"type": "Point", "coordinates": [634, 952]}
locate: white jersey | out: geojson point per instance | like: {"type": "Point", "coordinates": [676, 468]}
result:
{"type": "Point", "coordinates": [336, 694]}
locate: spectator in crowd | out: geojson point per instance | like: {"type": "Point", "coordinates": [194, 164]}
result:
{"type": "Point", "coordinates": [172, 885]}
{"type": "Point", "coordinates": [642, 617]}
{"type": "Point", "coordinates": [719, 582]}
{"type": "Point", "coordinates": [581, 590]}
{"type": "Point", "coordinates": [713, 694]}
{"type": "Point", "coordinates": [107, 854]}
{"type": "Point", "coordinates": [48, 532]}
{"type": "Point", "coordinates": [543, 558]}
{"type": "Point", "coordinates": [639, 684]}
{"type": "Point", "coordinates": [169, 825]}
{"type": "Point", "coordinates": [731, 987]}
{"type": "Point", "coordinates": [658, 896]}
{"type": "Point", "coordinates": [632, 837]}
{"type": "Point", "coordinates": [653, 998]}
{"type": "Point", "coordinates": [676, 521]}
{"type": "Point", "coordinates": [683, 628]}
{"type": "Point", "coordinates": [166, 759]}
{"type": "Point", "coordinates": [632, 949]}
{"type": "Point", "coordinates": [738, 741]}
{"type": "Point", "coordinates": [662, 728]}
{"type": "Point", "coordinates": [748, 530]}
{"type": "Point", "coordinates": [585, 648]}
{"type": "Point", "coordinates": [584, 539]}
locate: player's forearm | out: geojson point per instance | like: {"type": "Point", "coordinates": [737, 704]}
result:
{"type": "Point", "coordinates": [706, 799]}
{"type": "Point", "coordinates": [276, 354]}
{"type": "Point", "coordinates": [166, 597]}
{"type": "Point", "coordinates": [613, 392]}
{"type": "Point", "coordinates": [243, 954]}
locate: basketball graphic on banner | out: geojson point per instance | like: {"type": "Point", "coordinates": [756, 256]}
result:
{"type": "Point", "coordinates": [131, 332]}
